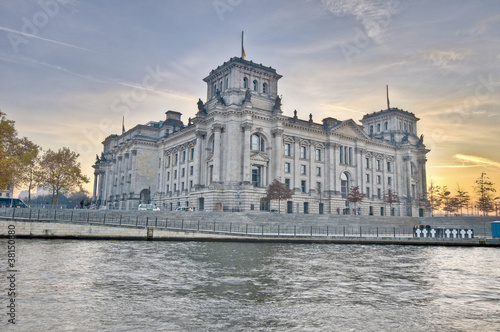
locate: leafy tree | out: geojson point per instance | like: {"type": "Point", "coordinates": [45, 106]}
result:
{"type": "Point", "coordinates": [28, 167]}
{"type": "Point", "coordinates": [390, 197]}
{"type": "Point", "coordinates": [444, 197]}
{"type": "Point", "coordinates": [433, 197]}
{"type": "Point", "coordinates": [355, 196]}
{"type": "Point", "coordinates": [60, 172]}
{"type": "Point", "coordinates": [484, 189]}
{"type": "Point", "coordinates": [8, 146]}
{"type": "Point", "coordinates": [279, 191]}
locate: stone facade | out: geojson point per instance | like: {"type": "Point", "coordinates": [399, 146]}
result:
{"type": "Point", "coordinates": [239, 142]}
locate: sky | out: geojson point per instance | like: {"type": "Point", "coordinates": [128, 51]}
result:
{"type": "Point", "coordinates": [72, 70]}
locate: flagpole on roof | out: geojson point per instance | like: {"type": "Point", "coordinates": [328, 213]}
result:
{"type": "Point", "coordinates": [243, 55]}
{"type": "Point", "coordinates": [123, 125]}
{"type": "Point", "coordinates": [388, 105]}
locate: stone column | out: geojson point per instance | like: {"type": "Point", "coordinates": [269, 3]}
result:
{"type": "Point", "coordinates": [217, 128]}
{"type": "Point", "coordinates": [198, 147]}
{"type": "Point", "coordinates": [296, 162]}
{"type": "Point", "coordinates": [278, 153]}
{"type": "Point", "coordinates": [246, 127]}
{"type": "Point", "coordinates": [423, 177]}
{"type": "Point", "coordinates": [94, 191]}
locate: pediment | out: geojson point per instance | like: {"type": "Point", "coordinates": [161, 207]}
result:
{"type": "Point", "coordinates": [259, 157]}
{"type": "Point", "coordinates": [349, 128]}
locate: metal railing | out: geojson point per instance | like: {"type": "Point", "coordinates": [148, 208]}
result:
{"type": "Point", "coordinates": [236, 228]}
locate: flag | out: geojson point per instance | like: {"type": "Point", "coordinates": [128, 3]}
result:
{"type": "Point", "coordinates": [123, 125]}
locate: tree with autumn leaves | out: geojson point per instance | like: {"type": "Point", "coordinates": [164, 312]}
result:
{"type": "Point", "coordinates": [22, 166]}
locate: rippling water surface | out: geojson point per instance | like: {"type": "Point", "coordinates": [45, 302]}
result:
{"type": "Point", "coordinates": [191, 286]}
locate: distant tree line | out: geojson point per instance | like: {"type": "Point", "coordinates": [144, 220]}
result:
{"type": "Point", "coordinates": [23, 164]}
{"type": "Point", "coordinates": [441, 198]}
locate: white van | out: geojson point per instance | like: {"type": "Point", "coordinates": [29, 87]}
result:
{"type": "Point", "coordinates": [148, 207]}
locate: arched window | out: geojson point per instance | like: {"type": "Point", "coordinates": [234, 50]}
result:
{"type": "Point", "coordinates": [378, 127]}
{"type": "Point", "coordinates": [214, 89]}
{"type": "Point", "coordinates": [344, 184]}
{"type": "Point", "coordinates": [245, 83]}
{"type": "Point", "coordinates": [257, 143]}
{"type": "Point", "coordinates": [264, 88]}
{"type": "Point", "coordinates": [371, 129]}
{"type": "Point", "coordinates": [255, 85]}
{"type": "Point", "coordinates": [227, 83]}
{"type": "Point", "coordinates": [386, 125]}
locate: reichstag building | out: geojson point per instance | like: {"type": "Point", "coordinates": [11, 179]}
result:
{"type": "Point", "coordinates": [239, 142]}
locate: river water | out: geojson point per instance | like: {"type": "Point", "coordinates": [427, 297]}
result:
{"type": "Point", "coordinates": [65, 285]}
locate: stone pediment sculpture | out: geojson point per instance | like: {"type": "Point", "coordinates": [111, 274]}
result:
{"type": "Point", "coordinates": [349, 128]}
{"type": "Point", "coordinates": [259, 157]}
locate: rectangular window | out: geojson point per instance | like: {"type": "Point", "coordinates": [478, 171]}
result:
{"type": "Point", "coordinates": [368, 192]}
{"type": "Point", "coordinates": [287, 149]}
{"type": "Point", "coordinates": [287, 167]}
{"type": "Point", "coordinates": [287, 182]}
{"type": "Point", "coordinates": [184, 156]}
{"type": "Point", "coordinates": [318, 155]}
{"type": "Point", "coordinates": [318, 171]}
{"type": "Point", "coordinates": [191, 184]}
{"type": "Point", "coordinates": [191, 170]}
{"type": "Point", "coordinates": [389, 166]}
{"type": "Point", "coordinates": [379, 167]}
{"type": "Point", "coordinates": [303, 152]}
{"type": "Point", "coordinates": [182, 186]}
{"type": "Point", "coordinates": [167, 164]}
{"type": "Point", "coordinates": [318, 187]}
{"type": "Point", "coordinates": [175, 186]}
{"type": "Point", "coordinates": [379, 179]}
{"type": "Point", "coordinates": [303, 186]}
{"type": "Point", "coordinates": [367, 162]}
{"type": "Point", "coordinates": [341, 154]}
{"type": "Point", "coordinates": [175, 174]}
{"type": "Point", "coordinates": [367, 178]}
{"type": "Point", "coordinates": [389, 180]}
{"type": "Point", "coordinates": [379, 193]}
{"type": "Point", "coordinates": [183, 172]}
{"type": "Point", "coordinates": [303, 169]}
{"type": "Point", "coordinates": [168, 188]}
{"type": "Point", "coordinates": [192, 154]}
{"type": "Point", "coordinates": [168, 176]}
{"type": "Point", "coordinates": [350, 156]}
{"type": "Point", "coordinates": [256, 176]}
{"type": "Point", "coordinates": [175, 158]}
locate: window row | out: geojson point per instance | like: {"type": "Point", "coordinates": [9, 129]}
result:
{"type": "Point", "coordinates": [318, 155]}
{"type": "Point", "coordinates": [182, 186]}
{"type": "Point", "coordinates": [378, 164]}
{"type": "Point", "coordinates": [255, 85]}
{"type": "Point", "coordinates": [183, 173]}
{"type": "Point", "coordinates": [378, 179]}
{"type": "Point", "coordinates": [175, 158]}
{"type": "Point", "coordinates": [303, 169]}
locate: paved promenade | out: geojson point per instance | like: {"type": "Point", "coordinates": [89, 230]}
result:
{"type": "Point", "coordinates": [251, 226]}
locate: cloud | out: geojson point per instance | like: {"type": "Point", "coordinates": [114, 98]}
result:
{"type": "Point", "coordinates": [374, 15]}
{"type": "Point", "coordinates": [474, 159]}
{"type": "Point", "coordinates": [47, 40]}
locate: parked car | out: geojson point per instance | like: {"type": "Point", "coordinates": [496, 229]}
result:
{"type": "Point", "coordinates": [184, 208]}
{"type": "Point", "coordinates": [148, 207]}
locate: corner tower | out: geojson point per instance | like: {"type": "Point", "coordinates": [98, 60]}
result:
{"type": "Point", "coordinates": [238, 81]}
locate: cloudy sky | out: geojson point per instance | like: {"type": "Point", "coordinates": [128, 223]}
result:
{"type": "Point", "coordinates": [71, 69]}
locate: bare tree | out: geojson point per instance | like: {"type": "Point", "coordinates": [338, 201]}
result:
{"type": "Point", "coordinates": [355, 196]}
{"type": "Point", "coordinates": [390, 197]}
{"type": "Point", "coordinates": [484, 189]}
{"type": "Point", "coordinates": [279, 191]}
{"type": "Point", "coordinates": [433, 197]}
